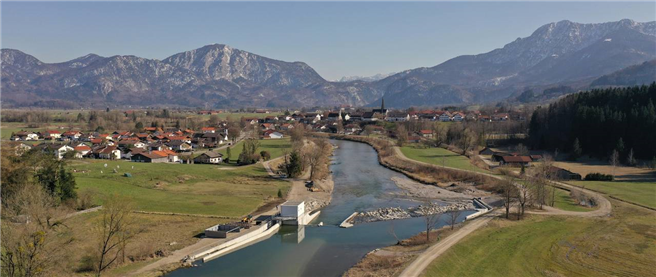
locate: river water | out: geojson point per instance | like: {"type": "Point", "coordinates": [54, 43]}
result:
{"type": "Point", "coordinates": [361, 183]}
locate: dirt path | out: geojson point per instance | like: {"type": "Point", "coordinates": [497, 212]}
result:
{"type": "Point", "coordinates": [604, 206]}
{"type": "Point", "coordinates": [200, 245]}
{"type": "Point", "coordinates": [424, 259]}
{"type": "Point", "coordinates": [298, 191]}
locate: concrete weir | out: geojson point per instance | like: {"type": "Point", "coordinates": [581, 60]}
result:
{"type": "Point", "coordinates": [235, 243]}
{"type": "Point", "coordinates": [484, 208]}
{"type": "Point", "coordinates": [347, 222]}
{"type": "Point", "coordinates": [242, 242]}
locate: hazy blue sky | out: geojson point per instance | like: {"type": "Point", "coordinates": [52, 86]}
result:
{"type": "Point", "coordinates": [337, 39]}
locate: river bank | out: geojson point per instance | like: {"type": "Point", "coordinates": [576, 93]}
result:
{"type": "Point", "coordinates": [421, 172]}
{"type": "Point", "coordinates": [391, 260]}
{"type": "Point", "coordinates": [360, 184]}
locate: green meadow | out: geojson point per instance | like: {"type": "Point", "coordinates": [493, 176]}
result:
{"type": "Point", "coordinates": [643, 193]}
{"type": "Point", "coordinates": [439, 156]}
{"type": "Point", "coordinates": [620, 245]}
{"type": "Point", "coordinates": [180, 188]}
{"type": "Point", "coordinates": [275, 147]}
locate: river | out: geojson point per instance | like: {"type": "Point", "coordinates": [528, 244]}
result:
{"type": "Point", "coordinates": [361, 183]}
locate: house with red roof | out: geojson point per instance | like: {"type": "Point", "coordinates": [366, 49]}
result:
{"type": "Point", "coordinates": [426, 133]}
{"type": "Point", "coordinates": [207, 130]}
{"type": "Point", "coordinates": [81, 150]}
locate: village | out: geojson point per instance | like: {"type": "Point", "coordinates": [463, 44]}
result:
{"type": "Point", "coordinates": [178, 145]}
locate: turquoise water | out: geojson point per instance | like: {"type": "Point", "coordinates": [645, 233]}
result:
{"type": "Point", "coordinates": [360, 184]}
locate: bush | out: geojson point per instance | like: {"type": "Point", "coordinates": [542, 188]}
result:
{"type": "Point", "coordinates": [265, 155]}
{"type": "Point", "coordinates": [599, 177]}
{"type": "Point", "coordinates": [85, 200]}
{"type": "Point", "coordinates": [89, 262]}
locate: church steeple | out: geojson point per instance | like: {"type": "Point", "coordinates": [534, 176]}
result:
{"type": "Point", "coordinates": [382, 105]}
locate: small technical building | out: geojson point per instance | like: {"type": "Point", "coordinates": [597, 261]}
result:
{"type": "Point", "coordinates": [293, 212]}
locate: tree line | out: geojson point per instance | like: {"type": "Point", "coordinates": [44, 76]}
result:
{"type": "Point", "coordinates": [599, 122]}
{"type": "Point", "coordinates": [38, 192]}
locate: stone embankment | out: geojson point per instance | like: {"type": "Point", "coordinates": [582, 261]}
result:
{"type": "Point", "coordinates": [393, 213]}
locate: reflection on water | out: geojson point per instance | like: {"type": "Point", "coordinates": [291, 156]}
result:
{"type": "Point", "coordinates": [360, 184]}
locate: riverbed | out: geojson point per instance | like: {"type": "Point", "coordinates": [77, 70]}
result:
{"type": "Point", "coordinates": [361, 184]}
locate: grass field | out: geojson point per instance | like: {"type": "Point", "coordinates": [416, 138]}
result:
{"type": "Point", "coordinates": [6, 128]}
{"type": "Point", "coordinates": [623, 244]}
{"type": "Point", "coordinates": [439, 156]}
{"type": "Point", "coordinates": [275, 147]}
{"type": "Point", "coordinates": [643, 193]}
{"type": "Point", "coordinates": [165, 233]}
{"type": "Point", "coordinates": [180, 188]}
{"type": "Point", "coordinates": [238, 115]}
{"type": "Point", "coordinates": [565, 202]}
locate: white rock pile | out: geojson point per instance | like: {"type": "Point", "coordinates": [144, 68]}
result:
{"type": "Point", "coordinates": [393, 213]}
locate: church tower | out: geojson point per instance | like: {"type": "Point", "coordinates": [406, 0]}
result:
{"type": "Point", "coordinates": [382, 105]}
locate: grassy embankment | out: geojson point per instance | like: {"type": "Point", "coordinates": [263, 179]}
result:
{"type": "Point", "coordinates": [623, 244]}
{"type": "Point", "coordinates": [643, 193]}
{"type": "Point", "coordinates": [440, 156]}
{"type": "Point", "coordinates": [181, 188]}
{"type": "Point", "coordinates": [275, 147]}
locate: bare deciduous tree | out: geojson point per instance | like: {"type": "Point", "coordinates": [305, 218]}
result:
{"type": "Point", "coordinates": [369, 129]}
{"type": "Point", "coordinates": [614, 161]}
{"type": "Point", "coordinates": [542, 176]}
{"type": "Point", "coordinates": [114, 230]}
{"type": "Point", "coordinates": [393, 232]}
{"type": "Point", "coordinates": [521, 149]}
{"type": "Point", "coordinates": [439, 133]}
{"type": "Point", "coordinates": [401, 135]}
{"type": "Point", "coordinates": [317, 158]}
{"type": "Point", "coordinates": [630, 158]}
{"type": "Point", "coordinates": [430, 218]}
{"type": "Point", "coordinates": [27, 248]}
{"type": "Point", "coordinates": [509, 194]}
{"type": "Point", "coordinates": [524, 197]}
{"type": "Point", "coordinates": [453, 217]}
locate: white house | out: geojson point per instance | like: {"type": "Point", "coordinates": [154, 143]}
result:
{"type": "Point", "coordinates": [209, 158]}
{"type": "Point", "coordinates": [110, 152]}
{"type": "Point", "coordinates": [58, 149]}
{"type": "Point", "coordinates": [458, 117]}
{"type": "Point", "coordinates": [397, 117]}
{"type": "Point", "coordinates": [81, 150]}
{"type": "Point", "coordinates": [52, 134]}
{"type": "Point", "coordinates": [446, 116]}
{"type": "Point", "coordinates": [273, 135]}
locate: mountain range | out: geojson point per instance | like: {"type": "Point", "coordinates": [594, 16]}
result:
{"type": "Point", "coordinates": [365, 78]}
{"type": "Point", "coordinates": [218, 76]}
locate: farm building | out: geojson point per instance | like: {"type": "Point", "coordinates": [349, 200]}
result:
{"type": "Point", "coordinates": [516, 160]}
{"type": "Point", "coordinates": [145, 157]}
{"type": "Point", "coordinates": [209, 158]}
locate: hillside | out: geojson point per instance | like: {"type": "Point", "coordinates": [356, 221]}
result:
{"type": "Point", "coordinates": [644, 73]}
